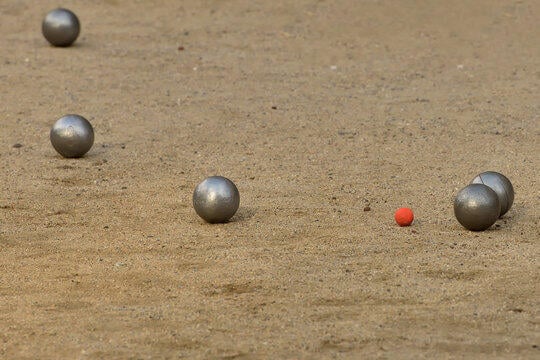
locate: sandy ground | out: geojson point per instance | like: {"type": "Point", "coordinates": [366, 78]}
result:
{"type": "Point", "coordinates": [316, 109]}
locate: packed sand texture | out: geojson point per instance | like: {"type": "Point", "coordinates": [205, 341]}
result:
{"type": "Point", "coordinates": [328, 115]}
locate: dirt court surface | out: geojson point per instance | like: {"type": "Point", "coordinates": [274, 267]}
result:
{"type": "Point", "coordinates": [316, 110]}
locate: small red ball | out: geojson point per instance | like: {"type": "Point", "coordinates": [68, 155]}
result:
{"type": "Point", "coordinates": [404, 216]}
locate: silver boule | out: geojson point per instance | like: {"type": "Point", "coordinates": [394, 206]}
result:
{"type": "Point", "coordinates": [501, 185]}
{"type": "Point", "coordinates": [477, 207]}
{"type": "Point", "coordinates": [72, 136]}
{"type": "Point", "coordinates": [216, 199]}
{"type": "Point", "coordinates": [61, 27]}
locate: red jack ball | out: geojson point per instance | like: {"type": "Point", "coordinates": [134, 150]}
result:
{"type": "Point", "coordinates": [404, 216]}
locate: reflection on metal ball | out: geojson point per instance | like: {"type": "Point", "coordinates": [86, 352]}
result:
{"type": "Point", "coordinates": [477, 207]}
{"type": "Point", "coordinates": [72, 136]}
{"type": "Point", "coordinates": [216, 199]}
{"type": "Point", "coordinates": [61, 27]}
{"type": "Point", "coordinates": [501, 185]}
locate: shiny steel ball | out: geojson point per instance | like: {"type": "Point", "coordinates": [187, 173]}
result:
{"type": "Point", "coordinates": [216, 199]}
{"type": "Point", "coordinates": [72, 136]}
{"type": "Point", "coordinates": [501, 185]}
{"type": "Point", "coordinates": [477, 207]}
{"type": "Point", "coordinates": [61, 27]}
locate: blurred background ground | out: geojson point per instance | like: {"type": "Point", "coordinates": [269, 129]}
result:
{"type": "Point", "coordinates": [316, 109]}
